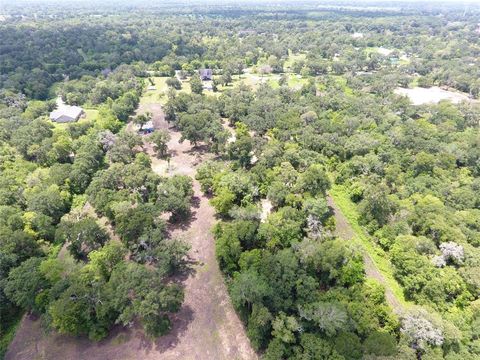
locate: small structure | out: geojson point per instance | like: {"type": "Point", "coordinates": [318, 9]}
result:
{"type": "Point", "coordinates": [66, 113]}
{"type": "Point", "coordinates": [151, 87]}
{"type": "Point", "coordinates": [105, 72]}
{"type": "Point", "coordinates": [205, 74]}
{"type": "Point", "coordinates": [147, 128]}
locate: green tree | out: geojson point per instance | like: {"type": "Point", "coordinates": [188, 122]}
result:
{"type": "Point", "coordinates": [142, 119]}
{"type": "Point", "coordinates": [174, 83]}
{"type": "Point", "coordinates": [139, 293]}
{"type": "Point", "coordinates": [313, 180]}
{"type": "Point", "coordinates": [82, 236]}
{"type": "Point", "coordinates": [25, 284]}
{"type": "Point", "coordinates": [196, 85]}
{"type": "Point", "coordinates": [160, 139]}
{"type": "Point", "coordinates": [175, 195]}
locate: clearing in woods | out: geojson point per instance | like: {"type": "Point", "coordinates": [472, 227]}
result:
{"type": "Point", "coordinates": [207, 327]}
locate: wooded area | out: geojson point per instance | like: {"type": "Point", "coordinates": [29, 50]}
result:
{"type": "Point", "coordinates": [301, 100]}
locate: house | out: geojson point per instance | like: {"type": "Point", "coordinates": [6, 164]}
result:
{"type": "Point", "coordinates": [151, 87]}
{"type": "Point", "coordinates": [205, 74]}
{"type": "Point", "coordinates": [66, 113]}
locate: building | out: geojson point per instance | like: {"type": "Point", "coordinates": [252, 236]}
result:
{"type": "Point", "coordinates": [205, 74]}
{"type": "Point", "coordinates": [66, 113]}
{"type": "Point", "coordinates": [147, 128]}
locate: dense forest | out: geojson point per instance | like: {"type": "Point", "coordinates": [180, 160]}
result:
{"type": "Point", "coordinates": [303, 115]}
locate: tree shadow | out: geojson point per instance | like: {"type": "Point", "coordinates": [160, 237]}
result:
{"type": "Point", "coordinates": [195, 202]}
{"type": "Point", "coordinates": [180, 322]}
{"type": "Point", "coordinates": [198, 149]}
{"type": "Point", "coordinates": [183, 223]}
{"type": "Point", "coordinates": [172, 153]}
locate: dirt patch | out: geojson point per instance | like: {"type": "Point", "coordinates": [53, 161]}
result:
{"type": "Point", "coordinates": [231, 130]}
{"type": "Point", "coordinates": [266, 209]}
{"type": "Point", "coordinates": [207, 327]}
{"type": "Point", "coordinates": [433, 95]}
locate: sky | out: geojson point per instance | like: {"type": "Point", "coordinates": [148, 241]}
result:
{"type": "Point", "coordinates": [351, 3]}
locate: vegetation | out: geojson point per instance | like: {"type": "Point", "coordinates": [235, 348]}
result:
{"type": "Point", "coordinates": [46, 171]}
{"type": "Point", "coordinates": [302, 104]}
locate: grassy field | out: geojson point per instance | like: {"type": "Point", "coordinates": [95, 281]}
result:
{"type": "Point", "coordinates": [90, 115]}
{"type": "Point", "coordinates": [159, 95]}
{"type": "Point", "coordinates": [378, 256]}
{"type": "Point", "coordinates": [292, 58]}
{"type": "Point", "coordinates": [153, 96]}
{"type": "Point", "coordinates": [255, 80]}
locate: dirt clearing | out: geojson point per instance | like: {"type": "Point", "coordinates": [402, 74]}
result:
{"type": "Point", "coordinates": [433, 95]}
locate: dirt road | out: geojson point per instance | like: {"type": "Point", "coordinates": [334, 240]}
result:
{"type": "Point", "coordinates": [206, 327]}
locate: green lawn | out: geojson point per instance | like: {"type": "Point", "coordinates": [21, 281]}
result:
{"type": "Point", "coordinates": [254, 80]}
{"type": "Point", "coordinates": [90, 115]}
{"type": "Point", "coordinates": [292, 58]}
{"type": "Point", "coordinates": [159, 95]}
{"type": "Point", "coordinates": [154, 96]}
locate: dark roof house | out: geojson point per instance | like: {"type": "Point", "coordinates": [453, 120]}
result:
{"type": "Point", "coordinates": [205, 74]}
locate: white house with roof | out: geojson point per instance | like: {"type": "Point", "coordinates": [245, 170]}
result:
{"type": "Point", "coordinates": [66, 113]}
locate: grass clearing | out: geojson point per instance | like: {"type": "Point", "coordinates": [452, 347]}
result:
{"type": "Point", "coordinates": [90, 115]}
{"type": "Point", "coordinates": [292, 58]}
{"type": "Point", "coordinates": [255, 80]}
{"type": "Point", "coordinates": [378, 256]}
{"type": "Point", "coordinates": [159, 94]}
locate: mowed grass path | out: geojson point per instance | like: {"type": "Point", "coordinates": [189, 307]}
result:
{"type": "Point", "coordinates": [377, 264]}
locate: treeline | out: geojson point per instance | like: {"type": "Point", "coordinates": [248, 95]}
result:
{"type": "Point", "coordinates": [442, 50]}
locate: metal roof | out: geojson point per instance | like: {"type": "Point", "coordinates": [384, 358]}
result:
{"type": "Point", "coordinates": [73, 112]}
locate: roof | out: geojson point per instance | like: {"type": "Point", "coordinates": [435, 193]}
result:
{"type": "Point", "coordinates": [205, 73]}
{"type": "Point", "coordinates": [65, 111]}
{"type": "Point", "coordinates": [148, 125]}
{"type": "Point", "coordinates": [72, 112]}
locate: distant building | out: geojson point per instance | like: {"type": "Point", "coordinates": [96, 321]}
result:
{"type": "Point", "coordinates": [205, 74]}
{"type": "Point", "coordinates": [105, 72]}
{"type": "Point", "coordinates": [242, 33]}
{"type": "Point", "coordinates": [66, 113]}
